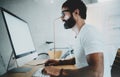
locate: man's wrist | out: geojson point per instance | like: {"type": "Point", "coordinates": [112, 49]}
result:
{"type": "Point", "coordinates": [61, 62]}
{"type": "Point", "coordinates": [61, 73]}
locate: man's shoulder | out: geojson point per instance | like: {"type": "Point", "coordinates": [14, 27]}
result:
{"type": "Point", "coordinates": [90, 27]}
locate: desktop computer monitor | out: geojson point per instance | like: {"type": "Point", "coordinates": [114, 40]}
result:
{"type": "Point", "coordinates": [20, 37]}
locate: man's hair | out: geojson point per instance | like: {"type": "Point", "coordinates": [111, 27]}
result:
{"type": "Point", "coordinates": [72, 5]}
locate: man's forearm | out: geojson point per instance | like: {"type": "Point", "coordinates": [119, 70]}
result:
{"type": "Point", "coordinates": [67, 62]}
{"type": "Point", "coordinates": [89, 71]}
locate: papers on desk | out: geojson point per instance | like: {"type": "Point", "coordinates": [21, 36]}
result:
{"type": "Point", "coordinates": [37, 62]}
{"type": "Point", "coordinates": [38, 73]}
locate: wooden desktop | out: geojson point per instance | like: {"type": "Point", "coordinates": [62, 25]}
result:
{"type": "Point", "coordinates": [34, 69]}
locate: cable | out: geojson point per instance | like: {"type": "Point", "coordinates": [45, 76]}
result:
{"type": "Point", "coordinates": [3, 63]}
{"type": "Point", "coordinates": [54, 34]}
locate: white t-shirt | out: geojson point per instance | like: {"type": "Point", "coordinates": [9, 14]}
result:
{"type": "Point", "coordinates": [89, 41]}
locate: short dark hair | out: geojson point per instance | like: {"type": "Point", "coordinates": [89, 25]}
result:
{"type": "Point", "coordinates": [72, 5]}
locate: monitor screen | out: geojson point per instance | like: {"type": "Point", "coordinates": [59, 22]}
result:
{"type": "Point", "coordinates": [20, 37]}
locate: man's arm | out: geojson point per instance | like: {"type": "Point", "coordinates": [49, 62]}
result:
{"type": "Point", "coordinates": [94, 69]}
{"type": "Point", "coordinates": [52, 62]}
{"type": "Point", "coordinates": [67, 62]}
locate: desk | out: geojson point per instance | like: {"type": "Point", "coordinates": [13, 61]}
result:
{"type": "Point", "coordinates": [34, 68]}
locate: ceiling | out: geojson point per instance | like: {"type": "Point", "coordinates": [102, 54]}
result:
{"type": "Point", "coordinates": [86, 1]}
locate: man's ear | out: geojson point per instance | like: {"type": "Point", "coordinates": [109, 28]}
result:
{"type": "Point", "coordinates": [76, 13]}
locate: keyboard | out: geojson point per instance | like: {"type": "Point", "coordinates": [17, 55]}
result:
{"type": "Point", "coordinates": [38, 73]}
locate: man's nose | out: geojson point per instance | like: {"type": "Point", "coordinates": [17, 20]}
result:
{"type": "Point", "coordinates": [62, 18]}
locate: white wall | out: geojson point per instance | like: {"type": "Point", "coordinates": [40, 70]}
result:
{"type": "Point", "coordinates": [106, 17]}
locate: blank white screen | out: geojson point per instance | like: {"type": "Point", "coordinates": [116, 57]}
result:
{"type": "Point", "coordinates": [20, 34]}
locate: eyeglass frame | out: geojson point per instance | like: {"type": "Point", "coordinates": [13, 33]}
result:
{"type": "Point", "coordinates": [63, 12]}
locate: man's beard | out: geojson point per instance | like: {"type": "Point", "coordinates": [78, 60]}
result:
{"type": "Point", "coordinates": [69, 23]}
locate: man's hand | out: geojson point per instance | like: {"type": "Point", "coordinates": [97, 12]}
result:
{"type": "Point", "coordinates": [51, 62]}
{"type": "Point", "coordinates": [51, 70]}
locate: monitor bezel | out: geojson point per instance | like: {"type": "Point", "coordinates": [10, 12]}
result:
{"type": "Point", "coordinates": [23, 54]}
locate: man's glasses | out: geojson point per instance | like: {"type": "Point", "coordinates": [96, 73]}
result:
{"type": "Point", "coordinates": [63, 14]}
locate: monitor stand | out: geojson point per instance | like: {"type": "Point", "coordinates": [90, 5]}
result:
{"type": "Point", "coordinates": [17, 69]}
